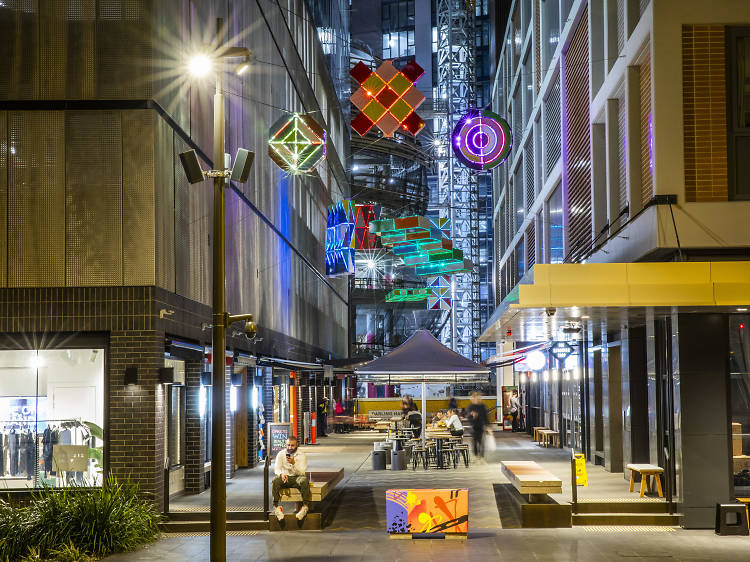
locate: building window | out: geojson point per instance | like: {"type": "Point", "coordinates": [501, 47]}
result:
{"type": "Point", "coordinates": [554, 226]}
{"type": "Point", "coordinates": [739, 373]}
{"type": "Point", "coordinates": [52, 412]}
{"type": "Point", "coordinates": [739, 120]}
{"type": "Point", "coordinates": [174, 428]}
{"type": "Point", "coordinates": [520, 261]}
{"type": "Point", "coordinates": [398, 29]}
{"type": "Point", "coordinates": [398, 44]}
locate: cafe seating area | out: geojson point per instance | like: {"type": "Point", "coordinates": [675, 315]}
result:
{"type": "Point", "coordinates": [440, 450]}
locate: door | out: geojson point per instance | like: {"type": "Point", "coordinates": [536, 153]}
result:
{"type": "Point", "coordinates": [665, 406]}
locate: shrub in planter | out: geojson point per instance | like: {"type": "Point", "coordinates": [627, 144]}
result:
{"type": "Point", "coordinates": [63, 523]}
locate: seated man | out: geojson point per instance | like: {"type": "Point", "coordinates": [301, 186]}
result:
{"type": "Point", "coordinates": [290, 473]}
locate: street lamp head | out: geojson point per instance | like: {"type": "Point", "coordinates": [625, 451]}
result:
{"type": "Point", "coordinates": [200, 65]}
{"type": "Point", "coordinates": [242, 68]}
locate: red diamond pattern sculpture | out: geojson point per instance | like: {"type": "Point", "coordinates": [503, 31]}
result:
{"type": "Point", "coordinates": [387, 98]}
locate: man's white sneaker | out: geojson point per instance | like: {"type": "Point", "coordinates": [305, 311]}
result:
{"type": "Point", "coordinates": [301, 513]}
{"type": "Point", "coordinates": [279, 513]}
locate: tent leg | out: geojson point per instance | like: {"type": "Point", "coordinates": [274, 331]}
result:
{"type": "Point", "coordinates": [424, 412]}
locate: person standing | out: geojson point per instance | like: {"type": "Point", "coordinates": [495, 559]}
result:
{"type": "Point", "coordinates": [290, 468]}
{"type": "Point", "coordinates": [515, 409]}
{"type": "Point", "coordinates": [479, 420]}
{"type": "Point", "coordinates": [415, 421]}
{"type": "Point", "coordinates": [323, 416]}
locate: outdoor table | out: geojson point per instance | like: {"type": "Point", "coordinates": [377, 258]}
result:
{"type": "Point", "coordinates": [439, 435]}
{"type": "Point", "coordinates": [400, 442]}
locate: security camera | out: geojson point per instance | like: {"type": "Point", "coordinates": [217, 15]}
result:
{"type": "Point", "coordinates": [550, 311]}
{"type": "Point", "coordinates": [251, 330]}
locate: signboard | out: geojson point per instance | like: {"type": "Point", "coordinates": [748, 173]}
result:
{"type": "Point", "coordinates": [383, 414]}
{"type": "Point", "coordinates": [278, 433]}
{"type": "Point", "coordinates": [70, 458]}
{"type": "Point", "coordinates": [561, 350]}
{"type": "Point", "coordinates": [581, 476]}
{"type": "Point", "coordinates": [430, 511]}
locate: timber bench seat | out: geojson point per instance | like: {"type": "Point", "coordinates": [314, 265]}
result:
{"type": "Point", "coordinates": [531, 480]}
{"type": "Point", "coordinates": [321, 484]}
{"type": "Point", "coordinates": [646, 471]}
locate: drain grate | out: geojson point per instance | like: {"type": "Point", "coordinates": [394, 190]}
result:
{"type": "Point", "coordinates": [207, 534]}
{"type": "Point", "coordinates": [626, 528]}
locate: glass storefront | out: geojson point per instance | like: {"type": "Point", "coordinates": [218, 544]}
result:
{"type": "Point", "coordinates": [739, 373]}
{"type": "Point", "coordinates": [52, 417]}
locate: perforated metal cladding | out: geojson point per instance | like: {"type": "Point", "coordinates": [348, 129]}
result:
{"type": "Point", "coordinates": [36, 199]}
{"type": "Point", "coordinates": [138, 229]}
{"type": "Point", "coordinates": [578, 141]}
{"type": "Point", "coordinates": [164, 170]}
{"type": "Point", "coordinates": [537, 46]}
{"type": "Point", "coordinates": [517, 120]}
{"type": "Point", "coordinates": [3, 198]}
{"type": "Point", "coordinates": [19, 78]}
{"type": "Point", "coordinates": [622, 134]}
{"type": "Point", "coordinates": [530, 246]}
{"type": "Point", "coordinates": [644, 5]}
{"type": "Point", "coordinates": [67, 60]}
{"type": "Point", "coordinates": [187, 229]}
{"type": "Point", "coordinates": [647, 183]}
{"type": "Point", "coordinates": [620, 28]}
{"type": "Point", "coordinates": [93, 198]}
{"type": "Point", "coordinates": [519, 210]}
{"type": "Point", "coordinates": [123, 49]}
{"type": "Point", "coordinates": [552, 130]}
{"type": "Point", "coordinates": [528, 166]}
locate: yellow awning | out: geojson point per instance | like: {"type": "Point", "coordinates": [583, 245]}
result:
{"type": "Point", "coordinates": [552, 295]}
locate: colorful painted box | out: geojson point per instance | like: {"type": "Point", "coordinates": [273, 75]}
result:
{"type": "Point", "coordinates": [427, 511]}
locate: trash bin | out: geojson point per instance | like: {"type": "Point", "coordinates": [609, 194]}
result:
{"type": "Point", "coordinates": [398, 460]}
{"type": "Point", "coordinates": [378, 460]}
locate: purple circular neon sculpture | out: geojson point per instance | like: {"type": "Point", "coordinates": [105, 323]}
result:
{"type": "Point", "coordinates": [482, 139]}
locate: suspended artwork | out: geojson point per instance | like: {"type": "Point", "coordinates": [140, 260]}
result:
{"type": "Point", "coordinates": [407, 295]}
{"type": "Point", "coordinates": [340, 239]}
{"type": "Point", "coordinates": [297, 143]}
{"type": "Point", "coordinates": [363, 240]}
{"type": "Point", "coordinates": [482, 140]}
{"type": "Point", "coordinates": [387, 98]}
{"type": "Point", "coordinates": [440, 292]}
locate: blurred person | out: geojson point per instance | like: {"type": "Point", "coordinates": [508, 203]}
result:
{"type": "Point", "coordinates": [478, 417]}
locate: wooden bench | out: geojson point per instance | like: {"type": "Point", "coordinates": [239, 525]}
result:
{"type": "Point", "coordinates": [646, 471]}
{"type": "Point", "coordinates": [322, 483]}
{"type": "Point", "coordinates": [541, 511]}
{"type": "Point", "coordinates": [549, 438]}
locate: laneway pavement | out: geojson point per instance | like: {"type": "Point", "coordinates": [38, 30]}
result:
{"type": "Point", "coordinates": [357, 531]}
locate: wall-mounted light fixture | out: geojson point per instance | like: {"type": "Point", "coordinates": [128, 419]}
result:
{"type": "Point", "coordinates": [131, 375]}
{"type": "Point", "coordinates": [206, 378]}
{"type": "Point", "coordinates": [166, 375]}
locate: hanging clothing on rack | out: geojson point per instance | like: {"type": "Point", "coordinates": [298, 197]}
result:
{"type": "Point", "coordinates": [30, 442]}
{"type": "Point", "coordinates": [50, 438]}
{"type": "Point", "coordinates": [13, 452]}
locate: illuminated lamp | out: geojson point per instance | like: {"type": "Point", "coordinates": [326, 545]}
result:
{"type": "Point", "coordinates": [482, 140]}
{"type": "Point", "coordinates": [536, 360]}
{"type": "Point", "coordinates": [387, 98]}
{"type": "Point", "coordinates": [297, 144]}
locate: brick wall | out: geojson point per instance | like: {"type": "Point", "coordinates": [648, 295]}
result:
{"type": "Point", "coordinates": [195, 430]}
{"type": "Point", "coordinates": [704, 112]}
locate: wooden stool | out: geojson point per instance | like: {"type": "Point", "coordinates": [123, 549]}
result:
{"type": "Point", "coordinates": [646, 471]}
{"type": "Point", "coordinates": [536, 432]}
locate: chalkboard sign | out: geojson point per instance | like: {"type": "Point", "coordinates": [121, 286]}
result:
{"type": "Point", "coordinates": [278, 433]}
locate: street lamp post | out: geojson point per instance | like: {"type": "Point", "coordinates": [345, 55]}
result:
{"type": "Point", "coordinates": [201, 65]}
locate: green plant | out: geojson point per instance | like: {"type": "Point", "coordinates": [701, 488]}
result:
{"type": "Point", "coordinates": [78, 521]}
{"type": "Point", "coordinates": [69, 553]}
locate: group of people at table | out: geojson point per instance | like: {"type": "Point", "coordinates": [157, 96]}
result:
{"type": "Point", "coordinates": [448, 421]}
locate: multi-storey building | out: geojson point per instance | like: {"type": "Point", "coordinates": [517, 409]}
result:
{"type": "Point", "coordinates": [106, 250]}
{"type": "Point", "coordinates": [405, 29]}
{"type": "Point", "coordinates": [628, 119]}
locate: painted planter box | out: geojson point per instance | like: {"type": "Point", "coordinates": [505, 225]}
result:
{"type": "Point", "coordinates": [427, 511]}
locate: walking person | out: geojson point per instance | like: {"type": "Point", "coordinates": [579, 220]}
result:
{"type": "Point", "coordinates": [515, 409]}
{"type": "Point", "coordinates": [479, 420]}
{"type": "Point", "coordinates": [323, 417]}
{"type": "Point", "coordinates": [290, 468]}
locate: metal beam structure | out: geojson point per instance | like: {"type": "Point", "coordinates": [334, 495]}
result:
{"type": "Point", "coordinates": [458, 190]}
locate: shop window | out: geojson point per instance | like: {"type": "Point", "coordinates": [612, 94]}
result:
{"type": "Point", "coordinates": [174, 428]}
{"type": "Point", "coordinates": [554, 226]}
{"type": "Point", "coordinates": [739, 372]}
{"type": "Point", "coordinates": [739, 118]}
{"type": "Point", "coordinates": [52, 412]}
